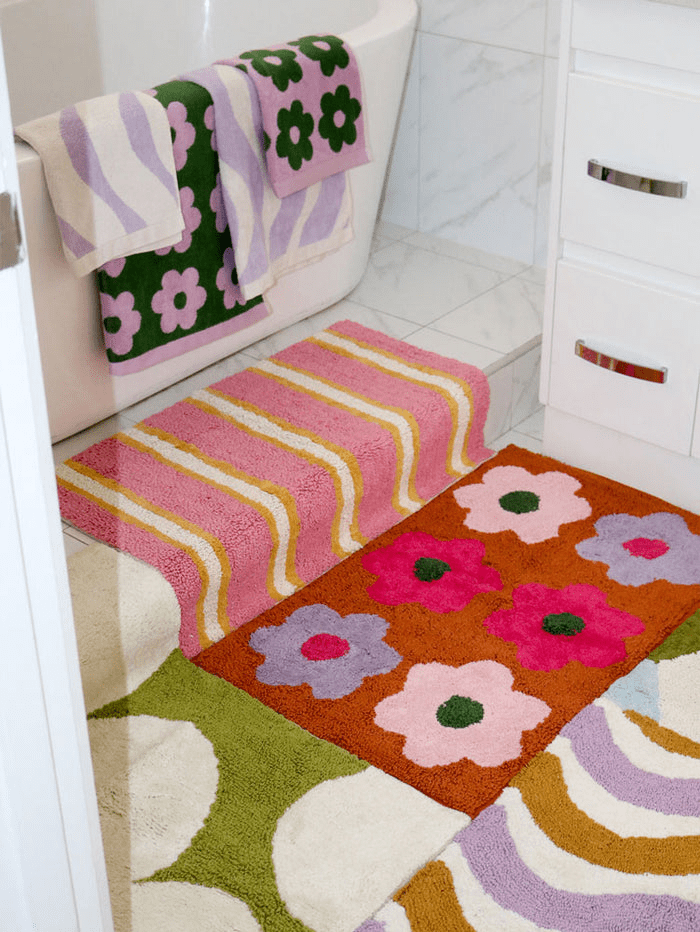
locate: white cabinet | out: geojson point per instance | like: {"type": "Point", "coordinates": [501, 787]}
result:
{"type": "Point", "coordinates": [621, 360]}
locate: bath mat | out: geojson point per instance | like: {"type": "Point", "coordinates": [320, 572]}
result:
{"type": "Point", "coordinates": [310, 96]}
{"type": "Point", "coordinates": [216, 814]}
{"type": "Point", "coordinates": [601, 831]}
{"type": "Point", "coordinates": [457, 645]}
{"type": "Point", "coordinates": [156, 305]}
{"type": "Point", "coordinates": [253, 487]}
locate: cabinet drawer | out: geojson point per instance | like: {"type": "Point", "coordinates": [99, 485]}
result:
{"type": "Point", "coordinates": [647, 328]}
{"type": "Point", "coordinates": [643, 132]}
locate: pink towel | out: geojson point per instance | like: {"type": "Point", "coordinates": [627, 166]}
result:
{"type": "Point", "coordinates": [310, 97]}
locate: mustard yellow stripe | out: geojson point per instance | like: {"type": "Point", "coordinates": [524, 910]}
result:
{"type": "Point", "coordinates": [430, 901]}
{"type": "Point", "coordinates": [414, 498]}
{"type": "Point", "coordinates": [204, 639]}
{"type": "Point", "coordinates": [449, 398]}
{"type": "Point", "coordinates": [666, 738]}
{"type": "Point", "coordinates": [346, 456]}
{"type": "Point", "coordinates": [286, 499]}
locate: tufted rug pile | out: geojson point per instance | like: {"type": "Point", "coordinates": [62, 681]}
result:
{"type": "Point", "coordinates": [601, 831]}
{"type": "Point", "coordinates": [453, 648]}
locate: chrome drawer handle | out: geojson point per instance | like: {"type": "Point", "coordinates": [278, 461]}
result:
{"type": "Point", "coordinates": [636, 182]}
{"type": "Point", "coordinates": [632, 369]}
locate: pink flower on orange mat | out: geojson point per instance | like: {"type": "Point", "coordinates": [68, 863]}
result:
{"type": "Point", "coordinates": [184, 132]}
{"type": "Point", "coordinates": [555, 626]}
{"type": "Point", "coordinates": [120, 322]}
{"type": "Point", "coordinates": [641, 550]}
{"type": "Point", "coordinates": [332, 653]}
{"type": "Point", "coordinates": [441, 575]}
{"type": "Point", "coordinates": [179, 299]}
{"type": "Point", "coordinates": [509, 498]}
{"type": "Point", "coordinates": [227, 281]}
{"type": "Point", "coordinates": [451, 713]}
{"type": "Point", "coordinates": [192, 217]}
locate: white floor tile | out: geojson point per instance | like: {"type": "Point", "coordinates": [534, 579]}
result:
{"type": "Point", "coordinates": [470, 254]}
{"type": "Point", "coordinates": [520, 440]}
{"type": "Point", "coordinates": [533, 426]}
{"type": "Point", "coordinates": [77, 442]}
{"type": "Point", "coordinates": [428, 339]}
{"type": "Point", "coordinates": [73, 544]}
{"type": "Point", "coordinates": [503, 319]}
{"type": "Point", "coordinates": [419, 285]}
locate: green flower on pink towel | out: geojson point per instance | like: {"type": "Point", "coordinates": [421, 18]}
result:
{"type": "Point", "coordinates": [328, 51]}
{"type": "Point", "coordinates": [553, 627]}
{"type": "Point", "coordinates": [442, 575]}
{"type": "Point", "coordinates": [280, 65]}
{"type": "Point", "coordinates": [340, 111]}
{"type": "Point", "coordinates": [179, 299]}
{"type": "Point", "coordinates": [640, 550]}
{"type": "Point", "coordinates": [294, 139]}
{"type": "Point", "coordinates": [534, 506]}
{"type": "Point", "coordinates": [448, 714]}
{"type": "Point", "coordinates": [119, 321]}
{"type": "Point", "coordinates": [332, 653]}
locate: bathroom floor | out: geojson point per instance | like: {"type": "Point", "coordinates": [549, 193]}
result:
{"type": "Point", "coordinates": [477, 307]}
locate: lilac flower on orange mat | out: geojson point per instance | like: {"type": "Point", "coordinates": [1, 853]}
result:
{"type": "Point", "coordinates": [441, 575]}
{"type": "Point", "coordinates": [179, 299]}
{"type": "Point", "coordinates": [555, 626]}
{"type": "Point", "coordinates": [451, 713]}
{"type": "Point", "coordinates": [509, 498]}
{"type": "Point", "coordinates": [316, 645]}
{"type": "Point", "coordinates": [641, 550]}
{"type": "Point", "coordinates": [120, 322]}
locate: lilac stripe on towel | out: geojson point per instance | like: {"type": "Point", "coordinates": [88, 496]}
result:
{"type": "Point", "coordinates": [141, 138]}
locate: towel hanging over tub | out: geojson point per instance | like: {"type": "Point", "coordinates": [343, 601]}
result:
{"type": "Point", "coordinates": [110, 172]}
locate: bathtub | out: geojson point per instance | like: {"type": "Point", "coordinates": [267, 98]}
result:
{"type": "Point", "coordinates": [79, 388]}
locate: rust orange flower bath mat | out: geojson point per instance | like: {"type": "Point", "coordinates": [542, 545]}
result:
{"type": "Point", "coordinates": [454, 647]}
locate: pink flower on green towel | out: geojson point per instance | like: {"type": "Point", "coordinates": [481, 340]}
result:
{"type": "Point", "coordinates": [509, 498]}
{"type": "Point", "coordinates": [553, 627]}
{"type": "Point", "coordinates": [184, 132]}
{"type": "Point", "coordinates": [119, 321]}
{"type": "Point", "coordinates": [216, 202]}
{"type": "Point", "coordinates": [294, 139]}
{"type": "Point", "coordinates": [441, 575]}
{"type": "Point", "coordinates": [192, 217]}
{"type": "Point", "coordinates": [179, 299]}
{"type": "Point", "coordinates": [114, 267]}
{"type": "Point", "coordinates": [640, 550]}
{"type": "Point", "coordinates": [340, 111]}
{"type": "Point", "coordinates": [451, 713]}
{"type": "Point", "coordinates": [227, 281]}
{"type": "Point", "coordinates": [316, 645]}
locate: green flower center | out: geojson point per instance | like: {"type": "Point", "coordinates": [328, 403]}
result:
{"type": "Point", "coordinates": [428, 569]}
{"type": "Point", "coordinates": [519, 502]}
{"type": "Point", "coordinates": [563, 623]}
{"type": "Point", "coordinates": [112, 324]}
{"type": "Point", "coordinates": [180, 300]}
{"type": "Point", "coordinates": [460, 712]}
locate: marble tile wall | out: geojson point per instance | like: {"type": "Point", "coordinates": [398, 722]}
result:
{"type": "Point", "coordinates": [472, 160]}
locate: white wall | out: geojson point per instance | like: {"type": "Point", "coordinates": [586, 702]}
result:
{"type": "Point", "coordinates": [473, 153]}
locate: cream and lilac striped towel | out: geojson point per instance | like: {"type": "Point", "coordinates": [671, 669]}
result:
{"type": "Point", "coordinates": [110, 172]}
{"type": "Point", "coordinates": [270, 235]}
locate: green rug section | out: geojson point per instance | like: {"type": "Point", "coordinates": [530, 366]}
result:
{"type": "Point", "coordinates": [265, 764]}
{"type": "Point", "coordinates": [684, 640]}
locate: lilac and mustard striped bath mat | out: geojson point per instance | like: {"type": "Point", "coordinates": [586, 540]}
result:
{"type": "Point", "coordinates": [247, 490]}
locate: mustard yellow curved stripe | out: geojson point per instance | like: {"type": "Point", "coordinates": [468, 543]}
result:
{"type": "Point", "coordinates": [210, 611]}
{"type": "Point", "coordinates": [400, 423]}
{"type": "Point", "coordinates": [544, 792]}
{"type": "Point", "coordinates": [666, 738]}
{"type": "Point", "coordinates": [430, 901]}
{"type": "Point", "coordinates": [279, 511]}
{"type": "Point", "coordinates": [340, 464]}
{"type": "Point", "coordinates": [456, 393]}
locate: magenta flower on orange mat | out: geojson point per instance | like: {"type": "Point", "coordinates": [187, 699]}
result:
{"type": "Point", "coordinates": [316, 645]}
{"type": "Point", "coordinates": [179, 299]}
{"type": "Point", "coordinates": [552, 627]}
{"type": "Point", "coordinates": [642, 550]}
{"type": "Point", "coordinates": [451, 713]}
{"type": "Point", "coordinates": [120, 321]}
{"type": "Point", "coordinates": [534, 506]}
{"type": "Point", "coordinates": [441, 575]}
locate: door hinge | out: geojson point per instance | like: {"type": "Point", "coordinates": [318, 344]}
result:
{"type": "Point", "coordinates": [10, 236]}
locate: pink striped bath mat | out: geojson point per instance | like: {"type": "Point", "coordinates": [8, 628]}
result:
{"type": "Point", "coordinates": [247, 490]}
